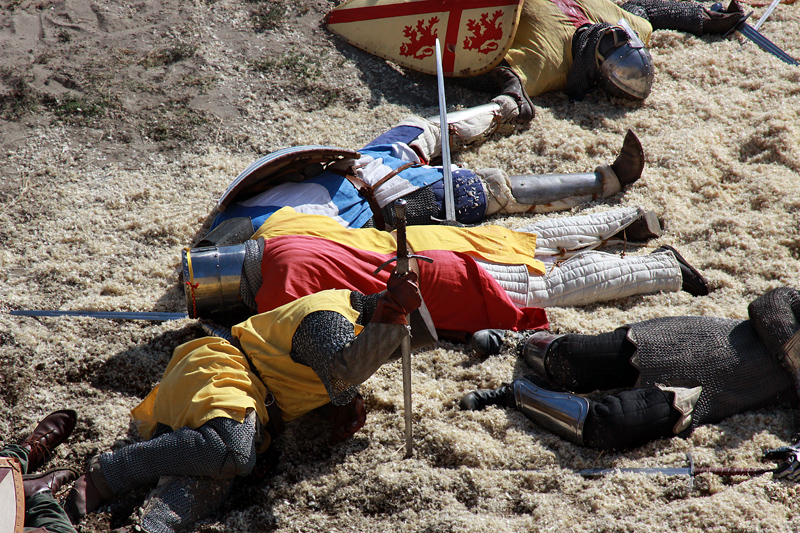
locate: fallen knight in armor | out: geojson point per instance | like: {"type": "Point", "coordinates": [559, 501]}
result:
{"type": "Point", "coordinates": [581, 46]}
{"type": "Point", "coordinates": [224, 397]}
{"type": "Point", "coordinates": [679, 372]}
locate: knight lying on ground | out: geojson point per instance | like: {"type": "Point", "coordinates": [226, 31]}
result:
{"type": "Point", "coordinates": [480, 277]}
{"type": "Point", "coordinates": [681, 372]}
{"type": "Point", "coordinates": [580, 46]}
{"type": "Point", "coordinates": [357, 188]}
{"type": "Point", "coordinates": [224, 397]}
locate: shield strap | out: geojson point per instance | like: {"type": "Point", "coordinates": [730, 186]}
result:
{"type": "Point", "coordinates": [368, 191]}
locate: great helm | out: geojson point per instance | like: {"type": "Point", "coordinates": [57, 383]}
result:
{"type": "Point", "coordinates": [212, 279]}
{"type": "Point", "coordinates": [625, 64]}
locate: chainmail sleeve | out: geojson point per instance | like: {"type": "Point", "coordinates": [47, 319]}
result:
{"type": "Point", "coordinates": [315, 342]}
{"type": "Point", "coordinates": [321, 335]}
{"type": "Point", "coordinates": [669, 15]}
{"type": "Point", "coordinates": [584, 74]}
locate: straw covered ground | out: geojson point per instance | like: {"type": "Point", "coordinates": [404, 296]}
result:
{"type": "Point", "coordinates": [122, 122]}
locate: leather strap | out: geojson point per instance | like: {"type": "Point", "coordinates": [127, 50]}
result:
{"type": "Point", "coordinates": [276, 425]}
{"type": "Point", "coordinates": [368, 191]}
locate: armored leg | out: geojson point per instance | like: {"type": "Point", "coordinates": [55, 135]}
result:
{"type": "Point", "coordinates": [585, 363]}
{"type": "Point", "coordinates": [565, 236]}
{"type": "Point", "coordinates": [535, 350]}
{"type": "Point", "coordinates": [560, 412]}
{"type": "Point", "coordinates": [467, 126]}
{"type": "Point", "coordinates": [591, 277]}
{"type": "Point", "coordinates": [221, 447]}
{"type": "Point", "coordinates": [178, 502]}
{"type": "Point", "coordinates": [557, 192]}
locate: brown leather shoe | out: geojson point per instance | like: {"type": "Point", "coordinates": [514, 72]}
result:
{"type": "Point", "coordinates": [511, 85]}
{"type": "Point", "coordinates": [630, 162]}
{"type": "Point", "coordinates": [83, 499]}
{"type": "Point", "coordinates": [51, 480]}
{"type": "Point", "coordinates": [693, 281]}
{"type": "Point", "coordinates": [50, 432]}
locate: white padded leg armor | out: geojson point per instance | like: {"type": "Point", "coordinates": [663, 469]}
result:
{"type": "Point", "coordinates": [565, 236]}
{"type": "Point", "coordinates": [588, 277]}
{"type": "Point", "coordinates": [473, 129]}
{"type": "Point", "coordinates": [591, 277]}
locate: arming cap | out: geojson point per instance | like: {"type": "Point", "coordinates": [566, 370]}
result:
{"type": "Point", "coordinates": [212, 278]}
{"type": "Point", "coordinates": [626, 67]}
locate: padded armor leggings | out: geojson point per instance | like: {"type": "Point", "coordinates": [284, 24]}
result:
{"type": "Point", "coordinates": [585, 363]}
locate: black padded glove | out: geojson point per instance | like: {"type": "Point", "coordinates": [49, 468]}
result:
{"type": "Point", "coordinates": [790, 470]}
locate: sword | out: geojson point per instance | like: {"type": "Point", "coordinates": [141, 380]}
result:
{"type": "Point", "coordinates": [401, 269]}
{"type": "Point", "coordinates": [753, 34]}
{"type": "Point", "coordinates": [690, 471]}
{"type": "Point", "coordinates": [444, 133]}
{"type": "Point", "coordinates": [114, 315]}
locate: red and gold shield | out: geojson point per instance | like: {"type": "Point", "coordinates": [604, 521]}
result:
{"type": "Point", "coordinates": [475, 34]}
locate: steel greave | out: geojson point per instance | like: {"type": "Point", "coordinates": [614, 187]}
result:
{"type": "Point", "coordinates": [562, 413]}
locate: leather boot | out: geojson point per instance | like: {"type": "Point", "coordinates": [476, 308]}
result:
{"type": "Point", "coordinates": [477, 400]}
{"type": "Point", "coordinates": [511, 85]}
{"type": "Point", "coordinates": [487, 342]}
{"type": "Point", "coordinates": [49, 433]}
{"type": "Point", "coordinates": [88, 493]}
{"type": "Point", "coordinates": [51, 480]}
{"type": "Point", "coordinates": [630, 162]}
{"type": "Point", "coordinates": [693, 282]}
{"type": "Point", "coordinates": [646, 227]}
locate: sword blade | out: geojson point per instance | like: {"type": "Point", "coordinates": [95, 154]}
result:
{"type": "Point", "coordinates": [599, 472]}
{"type": "Point", "coordinates": [765, 44]}
{"type": "Point", "coordinates": [766, 14]}
{"type": "Point", "coordinates": [402, 269]}
{"type": "Point", "coordinates": [444, 133]}
{"type": "Point", "coordinates": [115, 315]}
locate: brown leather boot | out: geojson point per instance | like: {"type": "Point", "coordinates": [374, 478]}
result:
{"type": "Point", "coordinates": [511, 85]}
{"type": "Point", "coordinates": [693, 281]}
{"type": "Point", "coordinates": [83, 499]}
{"type": "Point", "coordinates": [50, 432]}
{"type": "Point", "coordinates": [51, 480]}
{"type": "Point", "coordinates": [630, 162]}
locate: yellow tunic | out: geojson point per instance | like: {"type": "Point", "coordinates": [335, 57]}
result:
{"type": "Point", "coordinates": [492, 243]}
{"type": "Point", "coordinates": [208, 377]}
{"type": "Point", "coordinates": [542, 49]}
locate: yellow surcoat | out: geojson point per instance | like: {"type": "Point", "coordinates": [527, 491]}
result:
{"type": "Point", "coordinates": [491, 243]}
{"type": "Point", "coordinates": [542, 49]}
{"type": "Point", "coordinates": [208, 377]}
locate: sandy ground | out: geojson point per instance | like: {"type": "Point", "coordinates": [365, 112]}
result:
{"type": "Point", "coordinates": [122, 122]}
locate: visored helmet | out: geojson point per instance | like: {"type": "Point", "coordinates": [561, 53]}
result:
{"type": "Point", "coordinates": [625, 64]}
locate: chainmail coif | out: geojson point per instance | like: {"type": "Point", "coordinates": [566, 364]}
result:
{"type": "Point", "coordinates": [584, 74]}
{"type": "Point", "coordinates": [776, 318]}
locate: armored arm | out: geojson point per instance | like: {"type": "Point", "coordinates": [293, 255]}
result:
{"type": "Point", "coordinates": [684, 16]}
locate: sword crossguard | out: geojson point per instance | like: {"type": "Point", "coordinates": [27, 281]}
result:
{"type": "Point", "coordinates": [394, 259]}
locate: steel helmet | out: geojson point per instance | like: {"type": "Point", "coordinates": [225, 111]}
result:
{"type": "Point", "coordinates": [625, 64]}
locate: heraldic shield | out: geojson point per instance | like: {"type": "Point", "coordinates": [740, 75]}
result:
{"type": "Point", "coordinates": [293, 164]}
{"type": "Point", "coordinates": [475, 34]}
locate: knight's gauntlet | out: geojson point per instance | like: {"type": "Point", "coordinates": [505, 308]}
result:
{"type": "Point", "coordinates": [373, 347]}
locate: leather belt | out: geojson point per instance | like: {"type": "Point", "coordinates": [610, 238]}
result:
{"type": "Point", "coordinates": [368, 191]}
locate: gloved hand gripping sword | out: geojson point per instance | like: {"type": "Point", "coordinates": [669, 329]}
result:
{"type": "Point", "coordinates": [401, 270]}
